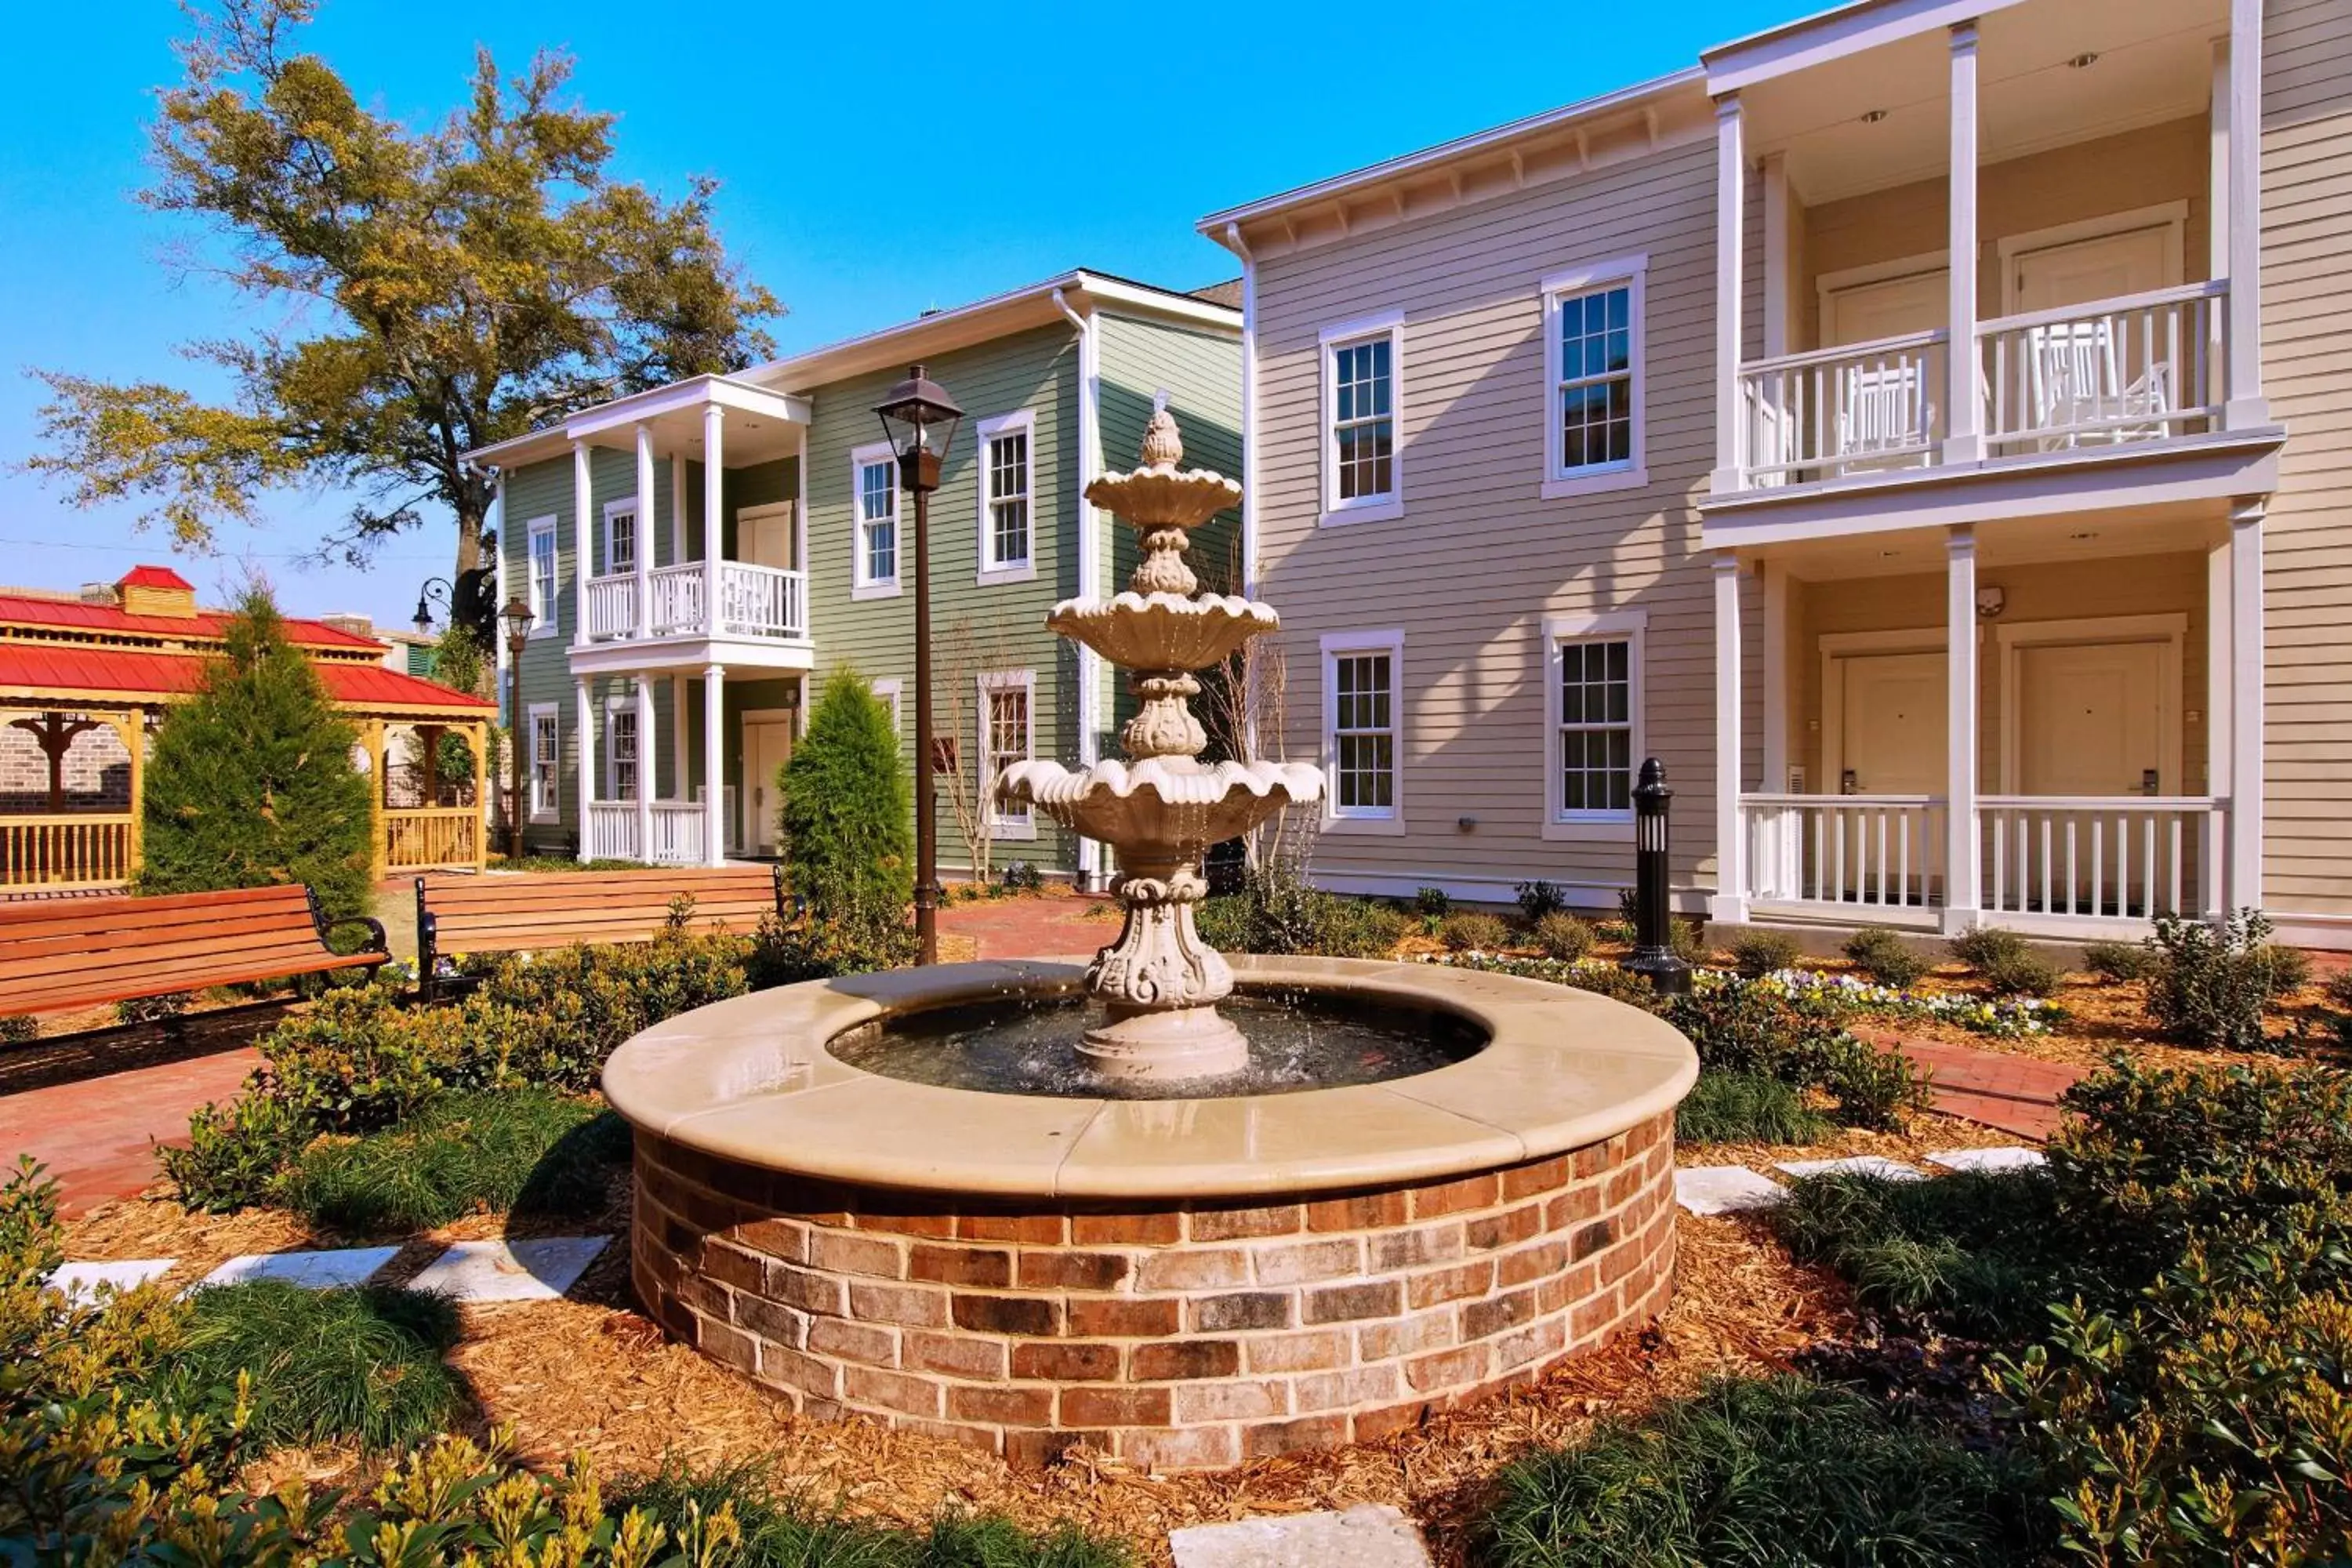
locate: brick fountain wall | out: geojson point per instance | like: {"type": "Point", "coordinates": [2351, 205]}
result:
{"type": "Point", "coordinates": [1184, 1336]}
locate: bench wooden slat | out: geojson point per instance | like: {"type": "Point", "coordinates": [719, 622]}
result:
{"type": "Point", "coordinates": [59, 999]}
{"type": "Point", "coordinates": [89, 918]}
{"type": "Point", "coordinates": [502, 915]}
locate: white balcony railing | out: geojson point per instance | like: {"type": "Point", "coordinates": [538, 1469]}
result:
{"type": "Point", "coordinates": [1870, 854]}
{"type": "Point", "coordinates": [677, 600]}
{"type": "Point", "coordinates": [611, 831]}
{"type": "Point", "coordinates": [1862, 408]}
{"type": "Point", "coordinates": [2101, 857]}
{"type": "Point", "coordinates": [762, 601]}
{"type": "Point", "coordinates": [612, 607]}
{"type": "Point", "coordinates": [677, 833]}
{"type": "Point", "coordinates": [2140, 368]}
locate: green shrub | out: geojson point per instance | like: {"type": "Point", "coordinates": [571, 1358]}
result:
{"type": "Point", "coordinates": [2024, 973]}
{"type": "Point", "coordinates": [2213, 986]}
{"type": "Point", "coordinates": [1869, 1087]}
{"type": "Point", "coordinates": [2338, 988]}
{"type": "Point", "coordinates": [234, 1150]}
{"type": "Point", "coordinates": [813, 949]}
{"type": "Point", "coordinates": [1746, 1108]}
{"type": "Point", "coordinates": [250, 782]}
{"type": "Point", "coordinates": [1277, 912]}
{"type": "Point", "coordinates": [1022, 877]}
{"type": "Point", "coordinates": [163, 1009]}
{"type": "Point", "coordinates": [1431, 901]}
{"type": "Point", "coordinates": [1761, 1474]}
{"type": "Point", "coordinates": [1885, 957]}
{"type": "Point", "coordinates": [1562, 936]}
{"type": "Point", "coordinates": [17, 1028]}
{"type": "Point", "coordinates": [1538, 899]}
{"type": "Point", "coordinates": [847, 818]}
{"type": "Point", "coordinates": [1762, 953]}
{"type": "Point", "coordinates": [527, 1150]}
{"type": "Point", "coordinates": [1614, 981]}
{"type": "Point", "coordinates": [2118, 960]}
{"type": "Point", "coordinates": [1986, 945]}
{"type": "Point", "coordinates": [1471, 931]}
{"type": "Point", "coordinates": [325, 1365]}
{"type": "Point", "coordinates": [1746, 1028]}
{"type": "Point", "coordinates": [1686, 940]}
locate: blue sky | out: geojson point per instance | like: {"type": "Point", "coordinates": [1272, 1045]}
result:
{"type": "Point", "coordinates": [1091, 136]}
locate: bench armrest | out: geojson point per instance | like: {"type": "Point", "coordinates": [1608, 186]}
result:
{"type": "Point", "coordinates": [377, 940]}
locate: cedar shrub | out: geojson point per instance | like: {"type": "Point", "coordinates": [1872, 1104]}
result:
{"type": "Point", "coordinates": [847, 816]}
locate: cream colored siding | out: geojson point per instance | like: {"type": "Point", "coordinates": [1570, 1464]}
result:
{"type": "Point", "coordinates": [2307, 369]}
{"type": "Point", "coordinates": [1477, 561]}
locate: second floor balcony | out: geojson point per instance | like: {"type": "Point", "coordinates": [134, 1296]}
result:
{"type": "Point", "coordinates": [750, 601]}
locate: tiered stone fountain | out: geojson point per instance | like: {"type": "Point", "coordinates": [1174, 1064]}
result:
{"type": "Point", "coordinates": [1029, 1204]}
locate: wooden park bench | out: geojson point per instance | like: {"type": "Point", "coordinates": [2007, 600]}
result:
{"type": "Point", "coordinates": [524, 914]}
{"type": "Point", "coordinates": [58, 953]}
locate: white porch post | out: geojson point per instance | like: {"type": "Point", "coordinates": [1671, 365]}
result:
{"type": "Point", "coordinates": [644, 532]}
{"type": "Point", "coordinates": [1775, 581]}
{"type": "Point", "coordinates": [714, 795]}
{"type": "Point", "coordinates": [584, 726]}
{"type": "Point", "coordinates": [1730, 191]}
{"type": "Point", "coordinates": [1963, 417]}
{"type": "Point", "coordinates": [1775, 168]}
{"type": "Point", "coordinates": [1730, 901]}
{"type": "Point", "coordinates": [644, 689]}
{"type": "Point", "coordinates": [2245, 736]}
{"type": "Point", "coordinates": [583, 556]}
{"type": "Point", "coordinates": [713, 499]}
{"type": "Point", "coordinates": [2246, 405]}
{"type": "Point", "coordinates": [1962, 858]}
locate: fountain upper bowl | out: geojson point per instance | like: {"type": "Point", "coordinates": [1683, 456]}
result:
{"type": "Point", "coordinates": [1163, 631]}
{"type": "Point", "coordinates": [1165, 498]}
{"type": "Point", "coordinates": [1156, 803]}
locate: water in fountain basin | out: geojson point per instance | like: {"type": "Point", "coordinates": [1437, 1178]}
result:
{"type": "Point", "coordinates": [1297, 1041]}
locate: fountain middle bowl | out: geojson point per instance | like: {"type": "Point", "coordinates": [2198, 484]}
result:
{"type": "Point", "coordinates": [1184, 1283]}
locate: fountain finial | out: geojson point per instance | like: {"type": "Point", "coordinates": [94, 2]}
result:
{"type": "Point", "coordinates": [1163, 448]}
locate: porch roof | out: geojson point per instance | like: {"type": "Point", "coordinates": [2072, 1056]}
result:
{"type": "Point", "coordinates": [49, 676]}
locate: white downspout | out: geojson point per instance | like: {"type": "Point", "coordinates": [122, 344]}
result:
{"type": "Point", "coordinates": [1090, 464]}
{"type": "Point", "coordinates": [1240, 247]}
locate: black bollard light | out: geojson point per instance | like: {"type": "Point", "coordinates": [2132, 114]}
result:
{"type": "Point", "coordinates": [1653, 948]}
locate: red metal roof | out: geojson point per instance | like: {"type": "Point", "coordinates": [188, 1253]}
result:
{"type": "Point", "coordinates": [49, 668]}
{"type": "Point", "coordinates": [155, 577]}
{"type": "Point", "coordinates": [17, 610]}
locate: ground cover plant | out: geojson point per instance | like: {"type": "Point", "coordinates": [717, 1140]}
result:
{"type": "Point", "coordinates": [1762, 953]}
{"type": "Point", "coordinates": [530, 1152]}
{"type": "Point", "coordinates": [1885, 957]}
{"type": "Point", "coordinates": [1277, 912]}
{"type": "Point", "coordinates": [1747, 1108]}
{"type": "Point", "coordinates": [1562, 936]}
{"type": "Point", "coordinates": [1473, 931]}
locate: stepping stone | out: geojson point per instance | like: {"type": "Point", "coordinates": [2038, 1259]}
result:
{"type": "Point", "coordinates": [1369, 1535]}
{"type": "Point", "coordinates": [1725, 1189]}
{"type": "Point", "coordinates": [540, 1269]}
{"type": "Point", "coordinates": [1989, 1159]}
{"type": "Point", "coordinates": [333, 1271]}
{"type": "Point", "coordinates": [80, 1281]}
{"type": "Point", "coordinates": [1877, 1165]}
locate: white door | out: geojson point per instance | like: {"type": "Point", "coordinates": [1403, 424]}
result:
{"type": "Point", "coordinates": [2106, 267]}
{"type": "Point", "coordinates": [765, 539]}
{"type": "Point", "coordinates": [1892, 733]}
{"type": "Point", "coordinates": [1889, 308]}
{"type": "Point", "coordinates": [767, 747]}
{"type": "Point", "coordinates": [2091, 721]}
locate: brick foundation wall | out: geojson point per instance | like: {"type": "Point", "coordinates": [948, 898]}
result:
{"type": "Point", "coordinates": [1180, 1337]}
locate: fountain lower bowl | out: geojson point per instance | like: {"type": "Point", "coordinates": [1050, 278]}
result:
{"type": "Point", "coordinates": [1184, 1283]}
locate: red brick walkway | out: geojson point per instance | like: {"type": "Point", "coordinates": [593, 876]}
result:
{"type": "Point", "coordinates": [98, 1136]}
{"type": "Point", "coordinates": [1049, 927]}
{"type": "Point", "coordinates": [2017, 1094]}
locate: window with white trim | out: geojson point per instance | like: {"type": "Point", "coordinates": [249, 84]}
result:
{"type": "Point", "coordinates": [1006, 449]}
{"type": "Point", "coordinates": [1007, 735]}
{"type": "Point", "coordinates": [874, 498]}
{"type": "Point", "coordinates": [540, 541]}
{"type": "Point", "coordinates": [620, 537]}
{"type": "Point", "coordinates": [1363, 730]}
{"type": "Point", "coordinates": [545, 763]}
{"type": "Point", "coordinates": [621, 751]}
{"type": "Point", "coordinates": [1362, 469]}
{"type": "Point", "coordinates": [888, 690]}
{"type": "Point", "coordinates": [1593, 715]}
{"type": "Point", "coordinates": [1593, 354]}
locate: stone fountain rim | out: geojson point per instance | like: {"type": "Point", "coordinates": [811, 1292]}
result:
{"type": "Point", "coordinates": [750, 1081]}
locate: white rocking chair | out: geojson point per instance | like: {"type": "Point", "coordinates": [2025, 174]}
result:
{"type": "Point", "coordinates": [2079, 393]}
{"type": "Point", "coordinates": [1883, 416]}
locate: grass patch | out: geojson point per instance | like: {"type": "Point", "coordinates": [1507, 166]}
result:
{"type": "Point", "coordinates": [325, 1365]}
{"type": "Point", "coordinates": [778, 1533]}
{"type": "Point", "coordinates": [1746, 1108]}
{"type": "Point", "coordinates": [1761, 1472]}
{"type": "Point", "coordinates": [1980, 1253]}
{"type": "Point", "coordinates": [524, 1151]}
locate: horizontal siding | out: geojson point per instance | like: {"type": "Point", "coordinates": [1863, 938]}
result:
{"type": "Point", "coordinates": [2308, 360]}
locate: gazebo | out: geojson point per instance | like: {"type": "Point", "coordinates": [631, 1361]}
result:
{"type": "Point", "coordinates": [70, 668]}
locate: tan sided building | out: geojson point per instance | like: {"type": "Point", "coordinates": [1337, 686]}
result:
{"type": "Point", "coordinates": [1920, 426]}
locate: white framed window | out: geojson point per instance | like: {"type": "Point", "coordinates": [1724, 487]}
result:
{"type": "Point", "coordinates": [887, 689]}
{"type": "Point", "coordinates": [1592, 723]}
{"type": "Point", "coordinates": [1592, 362]}
{"type": "Point", "coordinates": [620, 536]}
{"type": "Point", "coordinates": [546, 763]}
{"type": "Point", "coordinates": [621, 748]}
{"type": "Point", "coordinates": [1363, 466]}
{"type": "Point", "coordinates": [1007, 460]}
{"type": "Point", "coordinates": [873, 507]}
{"type": "Point", "coordinates": [1364, 732]}
{"type": "Point", "coordinates": [1008, 734]}
{"type": "Point", "coordinates": [539, 538]}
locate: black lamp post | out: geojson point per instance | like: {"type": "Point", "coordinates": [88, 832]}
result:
{"type": "Point", "coordinates": [1653, 948]}
{"type": "Point", "coordinates": [919, 418]}
{"type": "Point", "coordinates": [518, 617]}
{"type": "Point", "coordinates": [436, 590]}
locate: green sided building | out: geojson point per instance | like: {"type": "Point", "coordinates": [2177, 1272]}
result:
{"type": "Point", "coordinates": [698, 558]}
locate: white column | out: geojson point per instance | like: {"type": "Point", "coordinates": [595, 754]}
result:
{"type": "Point", "coordinates": [1730, 189]}
{"type": "Point", "coordinates": [2217, 163]}
{"type": "Point", "coordinates": [2246, 406]}
{"type": "Point", "coordinates": [584, 555]}
{"type": "Point", "coordinates": [645, 689]}
{"type": "Point", "coordinates": [1776, 254]}
{"type": "Point", "coordinates": [2245, 736]}
{"type": "Point", "coordinates": [1962, 858]}
{"type": "Point", "coordinates": [713, 501]}
{"type": "Point", "coordinates": [584, 728]}
{"type": "Point", "coordinates": [714, 793]}
{"type": "Point", "coordinates": [1776, 676]}
{"type": "Point", "coordinates": [1730, 901]}
{"type": "Point", "coordinates": [644, 549]}
{"type": "Point", "coordinates": [1963, 414]}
